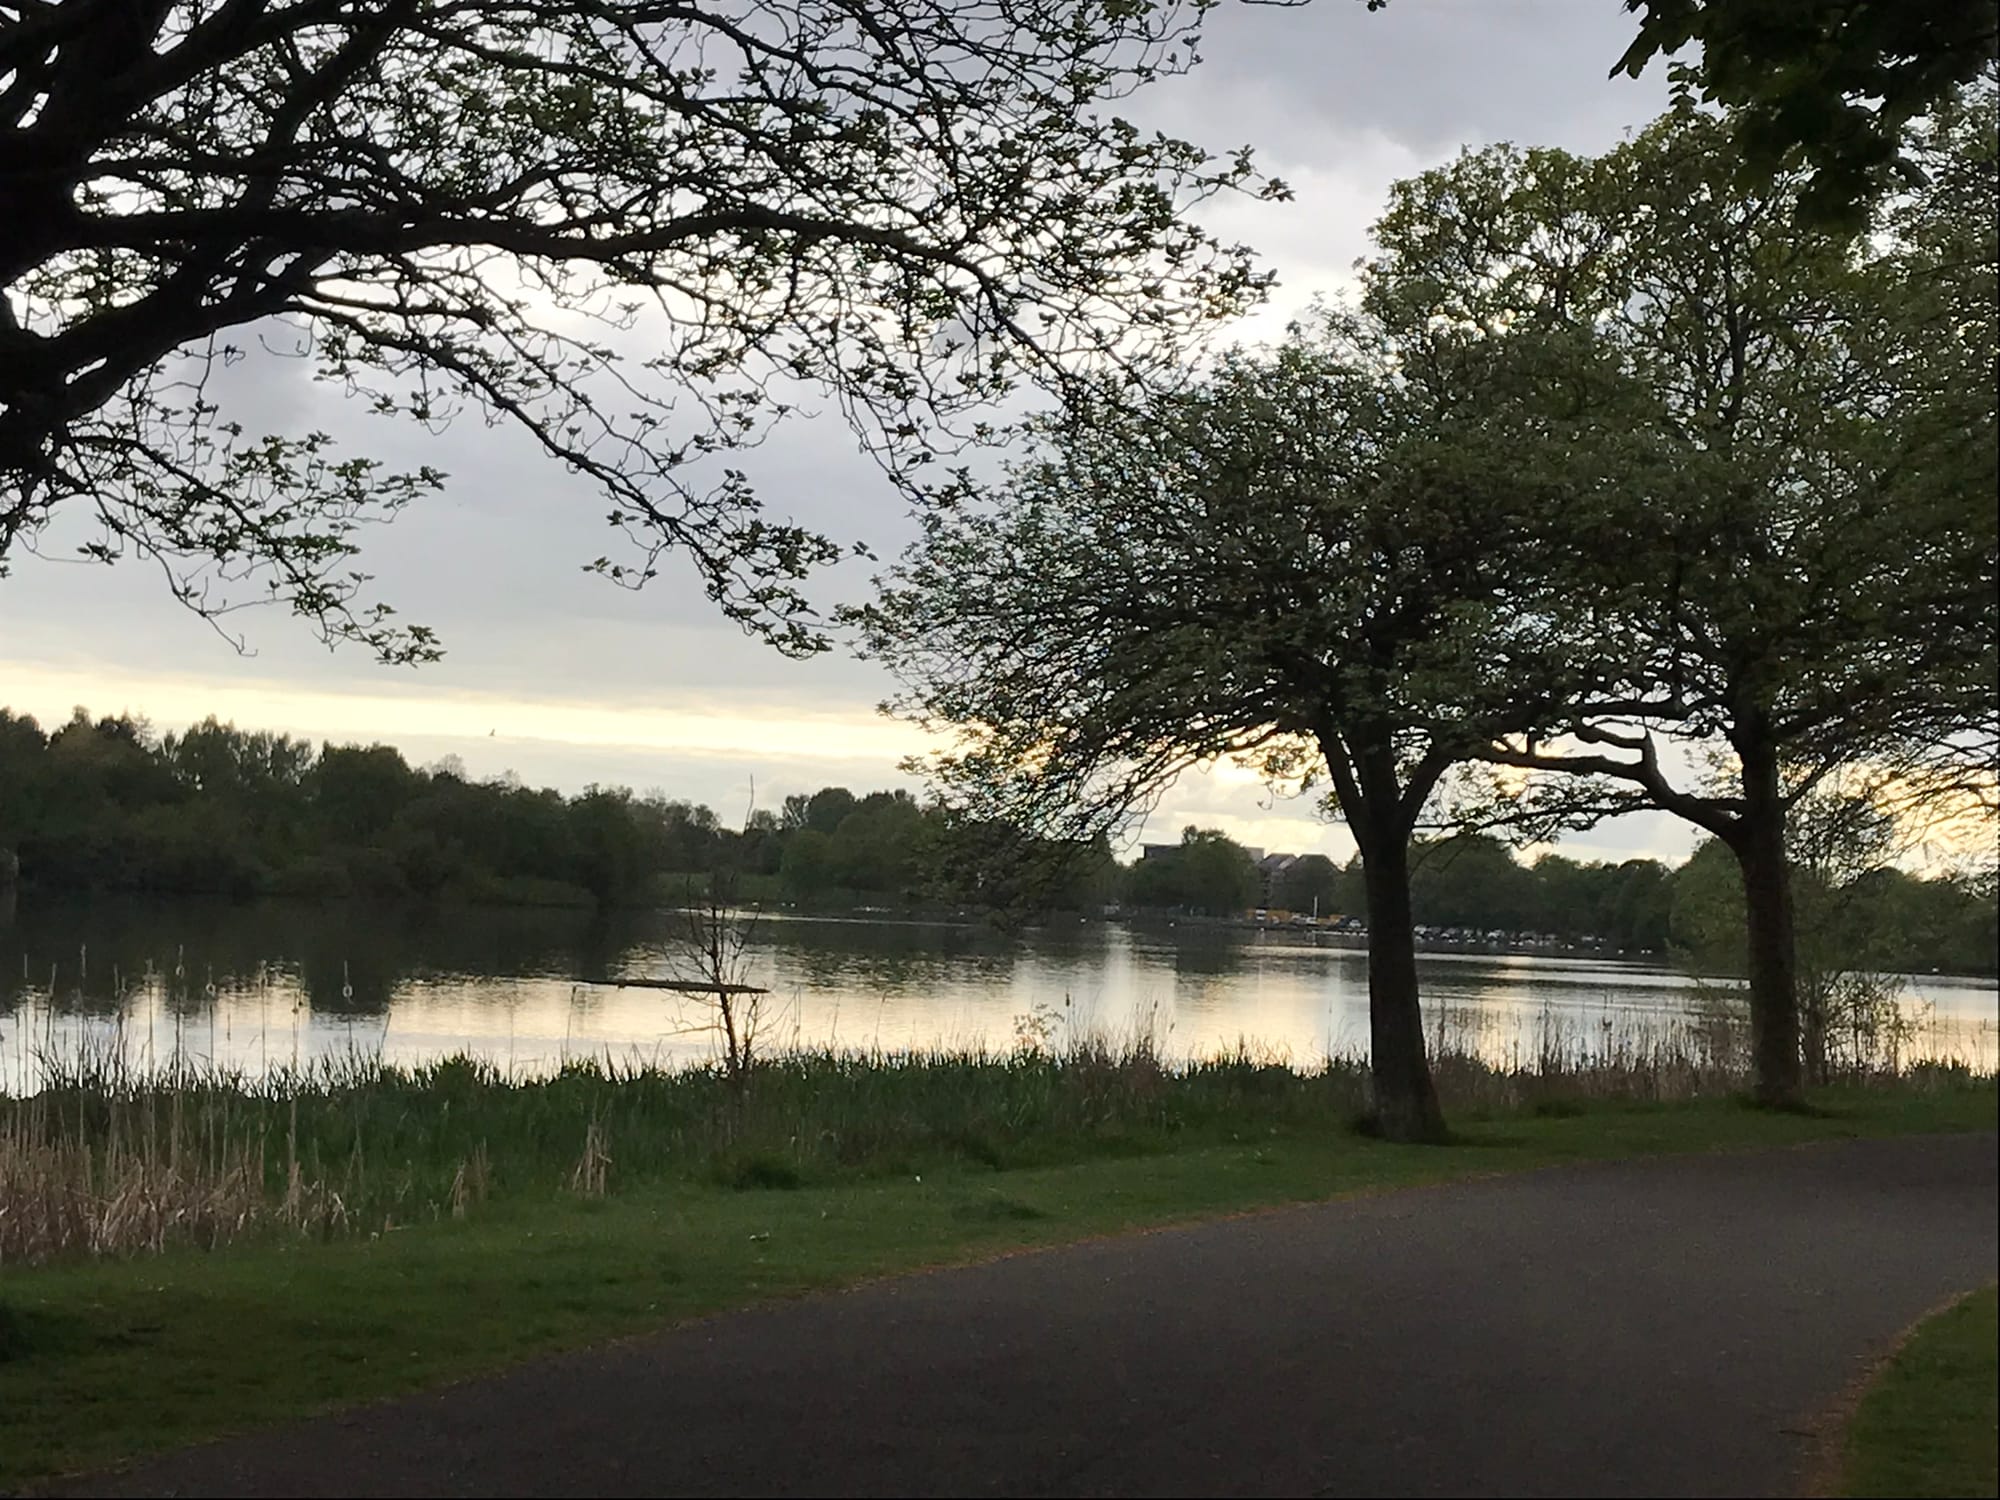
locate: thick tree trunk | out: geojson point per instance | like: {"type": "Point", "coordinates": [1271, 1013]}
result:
{"type": "Point", "coordinates": [1767, 903]}
{"type": "Point", "coordinates": [1406, 1103]}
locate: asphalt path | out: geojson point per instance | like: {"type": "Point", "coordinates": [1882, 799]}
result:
{"type": "Point", "coordinates": [1678, 1326]}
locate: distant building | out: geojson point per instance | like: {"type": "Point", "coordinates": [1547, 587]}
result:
{"type": "Point", "coordinates": [1271, 869]}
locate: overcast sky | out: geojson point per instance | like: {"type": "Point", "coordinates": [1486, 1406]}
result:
{"type": "Point", "coordinates": [566, 679]}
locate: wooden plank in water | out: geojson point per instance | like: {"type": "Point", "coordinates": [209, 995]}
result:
{"type": "Point", "coordinates": [684, 986]}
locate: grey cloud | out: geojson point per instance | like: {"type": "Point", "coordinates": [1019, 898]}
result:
{"type": "Point", "coordinates": [1430, 74]}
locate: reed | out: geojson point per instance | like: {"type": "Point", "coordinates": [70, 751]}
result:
{"type": "Point", "coordinates": [112, 1158]}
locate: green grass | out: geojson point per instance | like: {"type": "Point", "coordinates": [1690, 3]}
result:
{"type": "Point", "coordinates": [373, 1145]}
{"type": "Point", "coordinates": [103, 1359]}
{"type": "Point", "coordinates": [1930, 1424]}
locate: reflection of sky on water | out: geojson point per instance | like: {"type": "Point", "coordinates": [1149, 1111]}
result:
{"type": "Point", "coordinates": [299, 983]}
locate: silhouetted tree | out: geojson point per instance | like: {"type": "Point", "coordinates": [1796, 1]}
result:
{"type": "Point", "coordinates": [1323, 559]}
{"type": "Point", "coordinates": [1806, 587]}
{"type": "Point", "coordinates": [626, 227]}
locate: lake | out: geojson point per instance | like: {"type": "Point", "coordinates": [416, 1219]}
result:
{"type": "Point", "coordinates": [269, 984]}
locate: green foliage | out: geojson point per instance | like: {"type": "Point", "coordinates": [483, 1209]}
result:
{"type": "Point", "coordinates": [1830, 86]}
{"type": "Point", "coordinates": [1312, 884]}
{"type": "Point", "coordinates": [1803, 582]}
{"type": "Point", "coordinates": [1797, 627]}
{"type": "Point", "coordinates": [879, 846]}
{"type": "Point", "coordinates": [807, 871]}
{"type": "Point", "coordinates": [218, 810]}
{"type": "Point", "coordinates": [1870, 920]}
{"type": "Point", "coordinates": [1205, 873]}
{"type": "Point", "coordinates": [1611, 447]}
{"type": "Point", "coordinates": [1469, 882]}
{"type": "Point", "coordinates": [1626, 906]}
{"type": "Point", "coordinates": [1310, 560]}
{"type": "Point", "coordinates": [104, 805]}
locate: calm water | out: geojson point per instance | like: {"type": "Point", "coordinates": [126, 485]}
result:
{"type": "Point", "coordinates": [264, 985]}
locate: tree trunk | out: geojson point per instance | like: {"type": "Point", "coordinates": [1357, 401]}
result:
{"type": "Point", "coordinates": [1767, 903]}
{"type": "Point", "coordinates": [1406, 1103]}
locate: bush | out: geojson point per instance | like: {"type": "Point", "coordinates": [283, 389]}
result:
{"type": "Point", "coordinates": [315, 875]}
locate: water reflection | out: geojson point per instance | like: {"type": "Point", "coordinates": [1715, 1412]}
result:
{"type": "Point", "coordinates": [256, 985]}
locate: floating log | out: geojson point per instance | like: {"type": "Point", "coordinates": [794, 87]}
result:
{"type": "Point", "coordinates": [684, 986]}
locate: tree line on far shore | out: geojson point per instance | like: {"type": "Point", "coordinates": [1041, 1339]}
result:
{"type": "Point", "coordinates": [1860, 913]}
{"type": "Point", "coordinates": [106, 805]}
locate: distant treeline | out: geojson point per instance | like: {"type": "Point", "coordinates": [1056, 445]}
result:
{"type": "Point", "coordinates": [1473, 888]}
{"type": "Point", "coordinates": [105, 804]}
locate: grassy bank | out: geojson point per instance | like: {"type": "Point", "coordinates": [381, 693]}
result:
{"type": "Point", "coordinates": [109, 1158]}
{"type": "Point", "coordinates": [683, 1202]}
{"type": "Point", "coordinates": [1930, 1424]}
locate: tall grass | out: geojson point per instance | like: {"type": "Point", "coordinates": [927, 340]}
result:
{"type": "Point", "coordinates": [113, 1158]}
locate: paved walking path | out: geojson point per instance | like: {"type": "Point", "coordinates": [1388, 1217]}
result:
{"type": "Point", "coordinates": [1671, 1326]}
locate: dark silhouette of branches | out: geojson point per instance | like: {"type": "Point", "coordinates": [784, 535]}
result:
{"type": "Point", "coordinates": [635, 229]}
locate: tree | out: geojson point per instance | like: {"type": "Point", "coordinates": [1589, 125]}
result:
{"type": "Point", "coordinates": [1565, 897]}
{"type": "Point", "coordinates": [1319, 559]}
{"type": "Point", "coordinates": [1948, 924]}
{"type": "Point", "coordinates": [1636, 906]}
{"type": "Point", "coordinates": [23, 751]}
{"type": "Point", "coordinates": [357, 792]}
{"type": "Point", "coordinates": [1310, 883]}
{"type": "Point", "coordinates": [826, 809]}
{"type": "Point", "coordinates": [880, 847]}
{"type": "Point", "coordinates": [708, 947]}
{"type": "Point", "coordinates": [614, 856]}
{"type": "Point", "coordinates": [760, 846]}
{"type": "Point", "coordinates": [1806, 588]}
{"type": "Point", "coordinates": [806, 868]}
{"type": "Point", "coordinates": [1471, 881]}
{"type": "Point", "coordinates": [1829, 87]}
{"type": "Point", "coordinates": [1206, 873]}
{"type": "Point", "coordinates": [1217, 875]}
{"type": "Point", "coordinates": [631, 228]}
{"type": "Point", "coordinates": [1839, 847]}
{"type": "Point", "coordinates": [685, 837]}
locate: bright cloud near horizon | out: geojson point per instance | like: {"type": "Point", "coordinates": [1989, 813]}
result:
{"type": "Point", "coordinates": [566, 680]}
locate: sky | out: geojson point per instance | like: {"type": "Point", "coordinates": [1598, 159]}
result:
{"type": "Point", "coordinates": [566, 680]}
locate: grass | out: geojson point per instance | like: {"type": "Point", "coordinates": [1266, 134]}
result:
{"type": "Point", "coordinates": [111, 1356]}
{"type": "Point", "coordinates": [1930, 1424]}
{"type": "Point", "coordinates": [109, 1158]}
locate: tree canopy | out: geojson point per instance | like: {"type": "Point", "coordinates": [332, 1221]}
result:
{"type": "Point", "coordinates": [1806, 589]}
{"type": "Point", "coordinates": [1320, 559]}
{"type": "Point", "coordinates": [633, 229]}
{"type": "Point", "coordinates": [1611, 449]}
{"type": "Point", "coordinates": [1206, 873]}
{"type": "Point", "coordinates": [1832, 88]}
